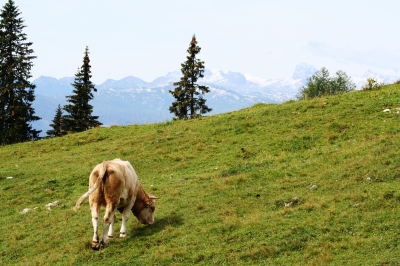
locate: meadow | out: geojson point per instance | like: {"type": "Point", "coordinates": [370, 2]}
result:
{"type": "Point", "coordinates": [313, 182]}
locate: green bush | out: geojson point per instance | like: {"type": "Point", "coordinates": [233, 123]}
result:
{"type": "Point", "coordinates": [372, 84]}
{"type": "Point", "coordinates": [321, 84]}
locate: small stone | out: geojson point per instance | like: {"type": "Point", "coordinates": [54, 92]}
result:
{"type": "Point", "coordinates": [313, 187]}
{"type": "Point", "coordinates": [288, 204]}
{"type": "Point", "coordinates": [50, 205]}
{"type": "Point", "coordinates": [24, 211]}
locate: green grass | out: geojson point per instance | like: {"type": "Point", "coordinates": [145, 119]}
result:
{"type": "Point", "coordinates": [222, 182]}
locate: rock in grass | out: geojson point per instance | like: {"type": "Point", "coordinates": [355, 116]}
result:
{"type": "Point", "coordinates": [50, 205]}
{"type": "Point", "coordinates": [289, 203]}
{"type": "Point", "coordinates": [25, 211]}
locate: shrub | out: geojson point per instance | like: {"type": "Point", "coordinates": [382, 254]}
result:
{"type": "Point", "coordinates": [321, 84]}
{"type": "Point", "coordinates": [372, 84]}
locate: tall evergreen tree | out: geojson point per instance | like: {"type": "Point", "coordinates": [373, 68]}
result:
{"type": "Point", "coordinates": [188, 93]}
{"type": "Point", "coordinates": [79, 117]}
{"type": "Point", "coordinates": [16, 92]}
{"type": "Point", "coordinates": [58, 127]}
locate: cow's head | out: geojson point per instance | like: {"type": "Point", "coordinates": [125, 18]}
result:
{"type": "Point", "coordinates": [144, 209]}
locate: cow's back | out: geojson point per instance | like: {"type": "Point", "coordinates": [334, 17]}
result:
{"type": "Point", "coordinates": [119, 184]}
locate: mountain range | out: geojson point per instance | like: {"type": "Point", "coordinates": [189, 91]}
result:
{"type": "Point", "coordinates": [132, 100]}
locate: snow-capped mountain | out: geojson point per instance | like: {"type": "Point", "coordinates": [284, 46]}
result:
{"type": "Point", "coordinates": [134, 101]}
{"type": "Point", "coordinates": [303, 71]}
{"type": "Point", "coordinates": [384, 78]}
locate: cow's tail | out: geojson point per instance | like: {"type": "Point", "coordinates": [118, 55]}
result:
{"type": "Point", "coordinates": [102, 173]}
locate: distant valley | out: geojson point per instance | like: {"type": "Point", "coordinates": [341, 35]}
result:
{"type": "Point", "coordinates": [133, 101]}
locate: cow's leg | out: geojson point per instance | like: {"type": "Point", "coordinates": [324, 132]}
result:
{"type": "Point", "coordinates": [108, 218]}
{"type": "Point", "coordinates": [111, 234]}
{"type": "Point", "coordinates": [95, 210]}
{"type": "Point", "coordinates": [111, 230]}
{"type": "Point", "coordinates": [125, 217]}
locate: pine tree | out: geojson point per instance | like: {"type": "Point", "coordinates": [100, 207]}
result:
{"type": "Point", "coordinates": [16, 92]}
{"type": "Point", "coordinates": [79, 117]}
{"type": "Point", "coordinates": [58, 127]}
{"type": "Point", "coordinates": [188, 93]}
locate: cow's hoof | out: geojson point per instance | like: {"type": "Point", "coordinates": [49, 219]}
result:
{"type": "Point", "coordinates": [104, 244]}
{"type": "Point", "coordinates": [110, 237]}
{"type": "Point", "coordinates": [122, 234]}
{"type": "Point", "coordinates": [95, 245]}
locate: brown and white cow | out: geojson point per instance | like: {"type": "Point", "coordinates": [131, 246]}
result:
{"type": "Point", "coordinates": [115, 185]}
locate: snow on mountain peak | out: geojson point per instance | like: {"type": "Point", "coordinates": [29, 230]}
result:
{"type": "Point", "coordinates": [303, 71]}
{"type": "Point", "coordinates": [147, 102]}
{"type": "Point", "coordinates": [256, 80]}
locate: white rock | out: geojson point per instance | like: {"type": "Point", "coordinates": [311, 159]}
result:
{"type": "Point", "coordinates": [24, 211]}
{"type": "Point", "coordinates": [386, 111]}
{"type": "Point", "coordinates": [288, 204]}
{"type": "Point", "coordinates": [50, 205]}
{"type": "Point", "coordinates": [10, 177]}
{"type": "Point", "coordinates": [313, 187]}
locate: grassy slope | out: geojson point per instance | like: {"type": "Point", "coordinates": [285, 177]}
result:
{"type": "Point", "coordinates": [223, 181]}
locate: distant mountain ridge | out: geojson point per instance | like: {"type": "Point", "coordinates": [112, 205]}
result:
{"type": "Point", "coordinates": [132, 100]}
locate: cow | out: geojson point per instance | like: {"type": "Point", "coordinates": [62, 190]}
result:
{"type": "Point", "coordinates": [115, 185]}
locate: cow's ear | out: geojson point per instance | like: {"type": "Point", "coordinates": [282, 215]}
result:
{"type": "Point", "coordinates": [153, 197]}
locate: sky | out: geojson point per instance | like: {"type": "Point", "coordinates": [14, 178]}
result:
{"type": "Point", "coordinates": [263, 38]}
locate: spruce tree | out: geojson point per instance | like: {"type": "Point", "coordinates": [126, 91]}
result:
{"type": "Point", "coordinates": [16, 92]}
{"type": "Point", "coordinates": [58, 127]}
{"type": "Point", "coordinates": [79, 117]}
{"type": "Point", "coordinates": [188, 93]}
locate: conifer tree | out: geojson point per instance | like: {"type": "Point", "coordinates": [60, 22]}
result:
{"type": "Point", "coordinates": [16, 92]}
{"type": "Point", "coordinates": [79, 117]}
{"type": "Point", "coordinates": [58, 128]}
{"type": "Point", "coordinates": [188, 93]}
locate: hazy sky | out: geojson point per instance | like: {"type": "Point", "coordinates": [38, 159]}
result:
{"type": "Point", "coordinates": [149, 38]}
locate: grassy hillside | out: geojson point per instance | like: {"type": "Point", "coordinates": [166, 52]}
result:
{"type": "Point", "coordinates": [223, 183]}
